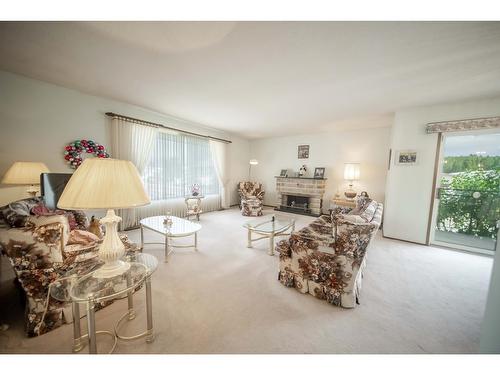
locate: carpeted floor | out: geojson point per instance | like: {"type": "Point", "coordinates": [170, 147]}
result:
{"type": "Point", "coordinates": [226, 299]}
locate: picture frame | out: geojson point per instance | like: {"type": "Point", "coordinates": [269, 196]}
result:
{"type": "Point", "coordinates": [303, 151]}
{"type": "Point", "coordinates": [406, 157]}
{"type": "Point", "coordinates": [319, 172]}
{"type": "Point", "coordinates": [284, 173]}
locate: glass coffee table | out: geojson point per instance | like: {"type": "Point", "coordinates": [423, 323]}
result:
{"type": "Point", "coordinates": [175, 228]}
{"type": "Point", "coordinates": [90, 289]}
{"type": "Point", "coordinates": [269, 227]}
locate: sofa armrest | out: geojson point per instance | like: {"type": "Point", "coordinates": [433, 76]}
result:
{"type": "Point", "coordinates": [33, 247]}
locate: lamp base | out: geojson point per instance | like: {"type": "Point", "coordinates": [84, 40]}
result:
{"type": "Point", "coordinates": [112, 248]}
{"type": "Point", "coordinates": [111, 269]}
{"type": "Point", "coordinates": [350, 193]}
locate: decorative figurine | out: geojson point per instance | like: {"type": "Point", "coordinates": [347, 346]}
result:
{"type": "Point", "coordinates": [95, 227]}
{"type": "Point", "coordinates": [302, 170]}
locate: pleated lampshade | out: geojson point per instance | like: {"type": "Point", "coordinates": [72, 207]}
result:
{"type": "Point", "coordinates": [104, 183]}
{"type": "Point", "coordinates": [24, 173]}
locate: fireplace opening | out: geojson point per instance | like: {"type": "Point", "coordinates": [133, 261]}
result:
{"type": "Point", "coordinates": [295, 203]}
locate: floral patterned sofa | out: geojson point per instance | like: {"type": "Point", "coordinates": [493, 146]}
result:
{"type": "Point", "coordinates": [252, 198]}
{"type": "Point", "coordinates": [326, 259]}
{"type": "Point", "coordinates": [42, 250]}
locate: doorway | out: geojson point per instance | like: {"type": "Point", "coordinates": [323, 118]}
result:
{"type": "Point", "coordinates": [467, 196]}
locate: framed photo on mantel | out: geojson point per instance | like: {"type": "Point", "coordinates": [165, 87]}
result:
{"type": "Point", "coordinates": [303, 152]}
{"type": "Point", "coordinates": [319, 173]}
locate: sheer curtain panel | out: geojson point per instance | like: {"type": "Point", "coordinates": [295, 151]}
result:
{"type": "Point", "coordinates": [219, 155]}
{"type": "Point", "coordinates": [134, 142]}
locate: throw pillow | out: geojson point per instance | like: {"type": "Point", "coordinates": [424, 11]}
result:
{"type": "Point", "coordinates": [39, 221]}
{"type": "Point", "coordinates": [41, 210]}
{"type": "Point", "coordinates": [17, 213]}
{"type": "Point", "coordinates": [82, 237]}
{"type": "Point", "coordinates": [362, 203]}
{"type": "Point", "coordinates": [369, 212]}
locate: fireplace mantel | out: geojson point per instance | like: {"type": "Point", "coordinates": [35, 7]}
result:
{"type": "Point", "coordinates": [302, 178]}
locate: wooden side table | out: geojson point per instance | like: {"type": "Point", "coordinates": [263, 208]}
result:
{"type": "Point", "coordinates": [343, 203]}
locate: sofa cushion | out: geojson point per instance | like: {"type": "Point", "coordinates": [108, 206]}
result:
{"type": "Point", "coordinates": [368, 213]}
{"type": "Point", "coordinates": [355, 219]}
{"type": "Point", "coordinates": [17, 213]}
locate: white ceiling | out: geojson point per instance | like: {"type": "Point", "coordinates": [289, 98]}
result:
{"type": "Point", "coordinates": [260, 79]}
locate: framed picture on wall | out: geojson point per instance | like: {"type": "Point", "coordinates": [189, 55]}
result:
{"type": "Point", "coordinates": [303, 151]}
{"type": "Point", "coordinates": [284, 173]}
{"type": "Point", "coordinates": [406, 157]}
{"type": "Point", "coordinates": [319, 173]}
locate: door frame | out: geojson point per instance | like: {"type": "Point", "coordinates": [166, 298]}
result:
{"type": "Point", "coordinates": [434, 204]}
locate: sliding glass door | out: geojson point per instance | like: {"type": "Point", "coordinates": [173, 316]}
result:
{"type": "Point", "coordinates": [467, 205]}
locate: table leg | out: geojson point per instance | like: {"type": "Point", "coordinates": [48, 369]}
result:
{"type": "Point", "coordinates": [196, 241]}
{"type": "Point", "coordinates": [91, 326]}
{"type": "Point", "coordinates": [149, 308]}
{"type": "Point", "coordinates": [142, 237]}
{"type": "Point", "coordinates": [130, 299]}
{"type": "Point", "coordinates": [166, 248]}
{"type": "Point", "coordinates": [77, 332]}
{"type": "Point", "coordinates": [271, 244]}
{"type": "Point", "coordinates": [249, 244]}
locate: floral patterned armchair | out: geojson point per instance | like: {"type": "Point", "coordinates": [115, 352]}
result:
{"type": "Point", "coordinates": [39, 253]}
{"type": "Point", "coordinates": [327, 258]}
{"type": "Point", "coordinates": [252, 198]}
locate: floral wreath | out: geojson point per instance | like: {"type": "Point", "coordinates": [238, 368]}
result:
{"type": "Point", "coordinates": [73, 151]}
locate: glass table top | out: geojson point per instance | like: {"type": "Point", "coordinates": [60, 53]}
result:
{"type": "Point", "coordinates": [78, 286]}
{"type": "Point", "coordinates": [267, 225]}
{"type": "Point", "coordinates": [178, 227]}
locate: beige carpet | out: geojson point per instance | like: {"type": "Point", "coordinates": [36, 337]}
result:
{"type": "Point", "coordinates": [226, 299]}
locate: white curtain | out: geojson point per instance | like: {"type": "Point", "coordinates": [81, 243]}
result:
{"type": "Point", "coordinates": [219, 155]}
{"type": "Point", "coordinates": [134, 142]}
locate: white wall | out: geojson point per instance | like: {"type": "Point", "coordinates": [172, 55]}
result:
{"type": "Point", "coordinates": [490, 327]}
{"type": "Point", "coordinates": [409, 188]}
{"type": "Point", "coordinates": [38, 119]}
{"type": "Point", "coordinates": [331, 150]}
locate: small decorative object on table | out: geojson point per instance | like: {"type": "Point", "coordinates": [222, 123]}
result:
{"type": "Point", "coordinates": [302, 171]}
{"type": "Point", "coordinates": [195, 190]}
{"type": "Point", "coordinates": [168, 220]}
{"type": "Point", "coordinates": [319, 173]}
{"type": "Point", "coordinates": [95, 227]}
{"type": "Point", "coordinates": [284, 173]}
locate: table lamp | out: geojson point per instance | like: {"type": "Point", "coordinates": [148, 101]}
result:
{"type": "Point", "coordinates": [25, 173]}
{"type": "Point", "coordinates": [351, 173]}
{"type": "Point", "coordinates": [111, 184]}
{"type": "Point", "coordinates": [252, 162]}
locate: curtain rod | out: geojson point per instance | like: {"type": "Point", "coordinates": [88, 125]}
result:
{"type": "Point", "coordinates": [111, 114]}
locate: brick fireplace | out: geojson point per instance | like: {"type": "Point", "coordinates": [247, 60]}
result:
{"type": "Point", "coordinates": [300, 195]}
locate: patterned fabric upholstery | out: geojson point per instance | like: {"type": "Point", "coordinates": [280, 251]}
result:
{"type": "Point", "coordinates": [252, 197]}
{"type": "Point", "coordinates": [327, 258]}
{"type": "Point", "coordinates": [39, 255]}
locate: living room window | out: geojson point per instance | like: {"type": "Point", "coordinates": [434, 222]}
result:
{"type": "Point", "coordinates": [178, 161]}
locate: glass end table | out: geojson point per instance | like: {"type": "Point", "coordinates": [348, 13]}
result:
{"type": "Point", "coordinates": [269, 227]}
{"type": "Point", "coordinates": [89, 288]}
